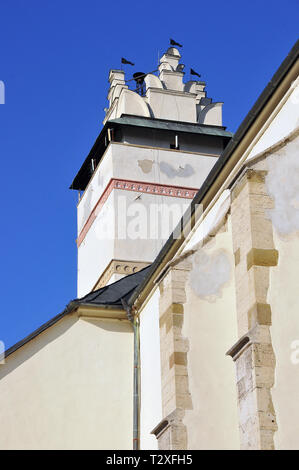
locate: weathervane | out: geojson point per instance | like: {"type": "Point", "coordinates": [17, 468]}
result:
{"type": "Point", "coordinates": [192, 72]}
{"type": "Point", "coordinates": [125, 61]}
{"type": "Point", "coordinates": [174, 43]}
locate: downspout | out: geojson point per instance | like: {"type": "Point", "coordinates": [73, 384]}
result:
{"type": "Point", "coordinates": [134, 319]}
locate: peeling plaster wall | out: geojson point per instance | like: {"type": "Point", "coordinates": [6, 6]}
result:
{"type": "Point", "coordinates": [151, 400]}
{"type": "Point", "coordinates": [70, 388]}
{"type": "Point", "coordinates": [282, 183]}
{"type": "Point", "coordinates": [283, 297]}
{"type": "Point", "coordinates": [210, 273]}
{"type": "Point", "coordinates": [128, 164]}
{"type": "Point", "coordinates": [285, 121]}
{"type": "Point", "coordinates": [183, 171]}
{"type": "Point", "coordinates": [210, 325]}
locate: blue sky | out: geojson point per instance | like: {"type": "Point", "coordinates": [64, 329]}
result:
{"type": "Point", "coordinates": [54, 61]}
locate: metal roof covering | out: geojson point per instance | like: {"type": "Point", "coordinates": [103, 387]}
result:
{"type": "Point", "coordinates": [176, 126]}
{"type": "Point", "coordinates": [114, 293]}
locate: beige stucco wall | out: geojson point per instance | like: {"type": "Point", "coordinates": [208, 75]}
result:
{"type": "Point", "coordinates": [70, 388]}
{"type": "Point", "coordinates": [210, 325]}
{"type": "Point", "coordinates": [284, 120]}
{"type": "Point", "coordinates": [283, 297]}
{"type": "Point", "coordinates": [282, 184]}
{"type": "Point", "coordinates": [150, 373]}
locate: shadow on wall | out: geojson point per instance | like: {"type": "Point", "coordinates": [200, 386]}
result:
{"type": "Point", "coordinates": [171, 172]}
{"type": "Point", "coordinates": [53, 333]}
{"type": "Point", "coordinates": [36, 344]}
{"type": "Point", "coordinates": [115, 325]}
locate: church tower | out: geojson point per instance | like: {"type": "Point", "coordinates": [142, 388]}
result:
{"type": "Point", "coordinates": [161, 137]}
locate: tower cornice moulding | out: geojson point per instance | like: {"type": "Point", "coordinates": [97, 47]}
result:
{"type": "Point", "coordinates": [117, 266]}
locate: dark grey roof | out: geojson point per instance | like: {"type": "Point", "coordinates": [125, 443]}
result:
{"type": "Point", "coordinates": [114, 293]}
{"type": "Point", "coordinates": [176, 126]}
{"type": "Point", "coordinates": [108, 296]}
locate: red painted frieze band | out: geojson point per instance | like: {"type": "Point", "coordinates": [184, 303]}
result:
{"type": "Point", "coordinates": [140, 187]}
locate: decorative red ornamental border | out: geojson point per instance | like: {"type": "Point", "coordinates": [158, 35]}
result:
{"type": "Point", "coordinates": [127, 185]}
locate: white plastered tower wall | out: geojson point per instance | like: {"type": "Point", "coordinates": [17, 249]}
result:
{"type": "Point", "coordinates": [121, 164]}
{"type": "Point", "coordinates": [148, 174]}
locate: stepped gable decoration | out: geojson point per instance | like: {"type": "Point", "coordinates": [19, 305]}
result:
{"type": "Point", "coordinates": [162, 93]}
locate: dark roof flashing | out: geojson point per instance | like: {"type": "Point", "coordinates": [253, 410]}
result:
{"type": "Point", "coordinates": [113, 294]}
{"type": "Point", "coordinates": [134, 119]}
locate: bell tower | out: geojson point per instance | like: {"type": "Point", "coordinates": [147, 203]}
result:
{"type": "Point", "coordinates": [161, 137]}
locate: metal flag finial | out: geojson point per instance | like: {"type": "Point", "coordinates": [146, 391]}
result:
{"type": "Point", "coordinates": [125, 61]}
{"type": "Point", "coordinates": [192, 72]}
{"type": "Point", "coordinates": [174, 43]}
